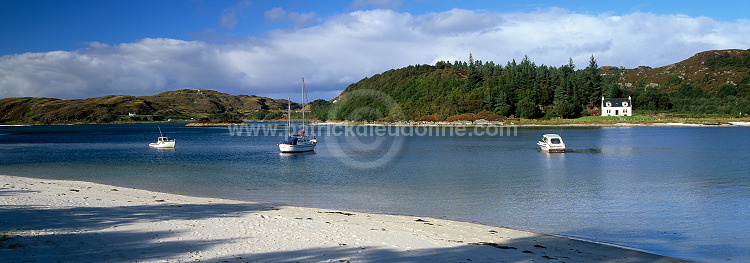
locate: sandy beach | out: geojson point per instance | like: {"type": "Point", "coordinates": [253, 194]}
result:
{"type": "Point", "coordinates": [72, 221]}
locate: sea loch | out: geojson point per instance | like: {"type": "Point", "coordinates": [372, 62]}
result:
{"type": "Point", "coordinates": [676, 191]}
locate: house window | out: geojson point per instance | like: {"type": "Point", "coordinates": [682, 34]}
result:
{"type": "Point", "coordinates": [609, 104]}
{"type": "Point", "coordinates": [609, 111]}
{"type": "Point", "coordinates": [624, 104]}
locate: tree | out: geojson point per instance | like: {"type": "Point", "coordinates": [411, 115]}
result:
{"type": "Point", "coordinates": [319, 109]}
{"type": "Point", "coordinates": [652, 99]}
{"type": "Point", "coordinates": [546, 90]}
{"type": "Point", "coordinates": [614, 91]}
{"type": "Point", "coordinates": [727, 90]}
{"type": "Point", "coordinates": [567, 84]}
{"type": "Point", "coordinates": [500, 104]}
{"type": "Point", "coordinates": [565, 109]}
{"type": "Point", "coordinates": [527, 108]}
{"type": "Point", "coordinates": [591, 91]}
{"type": "Point", "coordinates": [690, 91]}
{"type": "Point", "coordinates": [475, 75]}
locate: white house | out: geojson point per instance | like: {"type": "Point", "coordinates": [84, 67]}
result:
{"type": "Point", "coordinates": [617, 107]}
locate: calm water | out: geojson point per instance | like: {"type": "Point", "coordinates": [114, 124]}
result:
{"type": "Point", "coordinates": [676, 191]}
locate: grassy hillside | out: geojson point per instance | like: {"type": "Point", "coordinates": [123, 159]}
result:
{"type": "Point", "coordinates": [206, 105]}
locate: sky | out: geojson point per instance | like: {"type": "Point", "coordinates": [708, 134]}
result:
{"type": "Point", "coordinates": [89, 48]}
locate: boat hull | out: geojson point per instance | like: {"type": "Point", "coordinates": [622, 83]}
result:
{"type": "Point", "coordinates": [296, 148]}
{"type": "Point", "coordinates": [168, 144]}
{"type": "Point", "coordinates": [558, 150]}
{"type": "Point", "coordinates": [553, 149]}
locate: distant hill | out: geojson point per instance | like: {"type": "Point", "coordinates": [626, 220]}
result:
{"type": "Point", "coordinates": [206, 105]}
{"type": "Point", "coordinates": [709, 70]}
{"type": "Point", "coordinates": [711, 82]}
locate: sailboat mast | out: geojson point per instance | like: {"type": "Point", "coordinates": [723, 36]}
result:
{"type": "Point", "coordinates": [289, 117]}
{"type": "Point", "coordinates": [303, 103]}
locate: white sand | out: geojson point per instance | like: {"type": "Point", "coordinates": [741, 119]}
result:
{"type": "Point", "coordinates": [72, 221]}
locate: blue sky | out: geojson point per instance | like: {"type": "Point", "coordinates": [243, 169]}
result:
{"type": "Point", "coordinates": [87, 48]}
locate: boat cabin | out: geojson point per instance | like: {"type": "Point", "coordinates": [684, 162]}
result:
{"type": "Point", "coordinates": [553, 140]}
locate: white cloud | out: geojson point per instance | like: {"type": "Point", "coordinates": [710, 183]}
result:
{"type": "Point", "coordinates": [458, 21]}
{"type": "Point", "coordinates": [348, 47]}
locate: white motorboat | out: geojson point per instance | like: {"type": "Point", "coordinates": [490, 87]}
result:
{"type": "Point", "coordinates": [162, 141]}
{"type": "Point", "coordinates": [298, 142]}
{"type": "Point", "coordinates": [552, 143]}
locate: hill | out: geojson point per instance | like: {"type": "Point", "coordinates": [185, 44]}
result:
{"type": "Point", "coordinates": [709, 70]}
{"type": "Point", "coordinates": [713, 82]}
{"type": "Point", "coordinates": [205, 105]}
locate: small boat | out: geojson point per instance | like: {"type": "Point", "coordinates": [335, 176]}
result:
{"type": "Point", "coordinates": [298, 142]}
{"type": "Point", "coordinates": [162, 142]}
{"type": "Point", "coordinates": [552, 143]}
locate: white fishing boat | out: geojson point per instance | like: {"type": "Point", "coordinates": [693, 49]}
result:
{"type": "Point", "coordinates": [162, 141]}
{"type": "Point", "coordinates": [298, 142]}
{"type": "Point", "coordinates": [552, 143]}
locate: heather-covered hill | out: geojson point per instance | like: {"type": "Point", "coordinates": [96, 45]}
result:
{"type": "Point", "coordinates": [709, 70]}
{"type": "Point", "coordinates": [178, 104]}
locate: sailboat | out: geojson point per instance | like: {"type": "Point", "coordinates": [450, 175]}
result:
{"type": "Point", "coordinates": [162, 141]}
{"type": "Point", "coordinates": [298, 142]}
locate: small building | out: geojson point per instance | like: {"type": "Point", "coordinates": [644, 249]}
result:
{"type": "Point", "coordinates": [617, 107]}
{"type": "Point", "coordinates": [131, 114]}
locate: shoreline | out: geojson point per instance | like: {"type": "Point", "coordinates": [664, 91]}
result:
{"type": "Point", "coordinates": [58, 220]}
{"type": "Point", "coordinates": [522, 125]}
{"type": "Point", "coordinates": [471, 124]}
{"type": "Point", "coordinates": [668, 122]}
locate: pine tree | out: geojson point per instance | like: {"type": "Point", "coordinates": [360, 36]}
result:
{"type": "Point", "coordinates": [591, 91]}
{"type": "Point", "coordinates": [527, 108]}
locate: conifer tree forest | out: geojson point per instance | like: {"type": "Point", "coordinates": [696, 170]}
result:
{"type": "Point", "coordinates": [517, 89]}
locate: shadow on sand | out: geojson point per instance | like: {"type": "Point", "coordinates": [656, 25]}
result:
{"type": "Point", "coordinates": [93, 236]}
{"type": "Point", "coordinates": [89, 237]}
{"type": "Point", "coordinates": [539, 248]}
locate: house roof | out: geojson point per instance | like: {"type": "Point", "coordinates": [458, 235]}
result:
{"type": "Point", "coordinates": [617, 102]}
